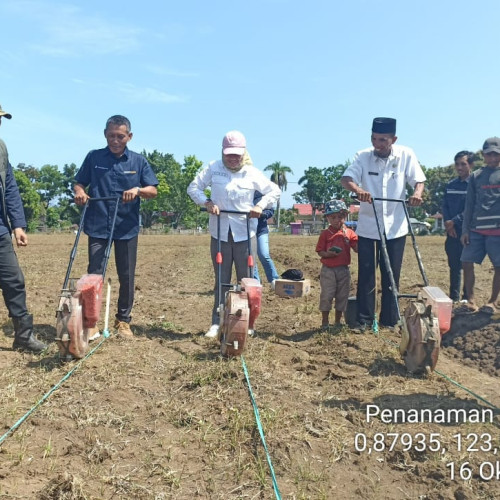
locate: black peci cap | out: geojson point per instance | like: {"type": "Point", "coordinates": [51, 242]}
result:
{"type": "Point", "coordinates": [384, 125]}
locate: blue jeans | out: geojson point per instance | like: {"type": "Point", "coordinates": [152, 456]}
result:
{"type": "Point", "coordinates": [265, 259]}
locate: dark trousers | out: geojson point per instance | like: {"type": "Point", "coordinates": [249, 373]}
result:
{"type": "Point", "coordinates": [125, 260]}
{"type": "Point", "coordinates": [232, 252]}
{"type": "Point", "coordinates": [453, 248]}
{"type": "Point", "coordinates": [369, 257]}
{"type": "Point", "coordinates": [12, 279]}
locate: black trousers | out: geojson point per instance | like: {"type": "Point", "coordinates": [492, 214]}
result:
{"type": "Point", "coordinates": [125, 260]}
{"type": "Point", "coordinates": [12, 279]}
{"type": "Point", "coordinates": [453, 248]}
{"type": "Point", "coordinates": [369, 257]}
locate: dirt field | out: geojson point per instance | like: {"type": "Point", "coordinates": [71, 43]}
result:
{"type": "Point", "coordinates": [164, 416]}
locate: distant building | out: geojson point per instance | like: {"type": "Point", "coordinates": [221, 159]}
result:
{"type": "Point", "coordinates": [310, 226]}
{"type": "Point", "coordinates": [305, 211]}
{"type": "Point", "coordinates": [438, 222]}
{"type": "Point", "coordinates": [419, 226]}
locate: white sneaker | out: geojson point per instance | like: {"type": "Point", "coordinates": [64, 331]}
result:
{"type": "Point", "coordinates": [212, 331]}
{"type": "Point", "coordinates": [251, 332]}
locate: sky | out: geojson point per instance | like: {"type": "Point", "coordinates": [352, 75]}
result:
{"type": "Point", "coordinates": [302, 80]}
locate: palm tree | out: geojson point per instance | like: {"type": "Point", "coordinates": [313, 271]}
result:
{"type": "Point", "coordinates": [278, 176]}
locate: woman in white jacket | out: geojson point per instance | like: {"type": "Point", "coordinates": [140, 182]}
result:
{"type": "Point", "coordinates": [233, 181]}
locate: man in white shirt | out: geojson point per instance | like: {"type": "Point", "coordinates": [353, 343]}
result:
{"type": "Point", "coordinates": [233, 181]}
{"type": "Point", "coordinates": [382, 171]}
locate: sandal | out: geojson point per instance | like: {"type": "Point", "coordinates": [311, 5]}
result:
{"type": "Point", "coordinates": [488, 309]}
{"type": "Point", "coordinates": [466, 309]}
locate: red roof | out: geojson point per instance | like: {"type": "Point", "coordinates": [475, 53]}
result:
{"type": "Point", "coordinates": [305, 209]}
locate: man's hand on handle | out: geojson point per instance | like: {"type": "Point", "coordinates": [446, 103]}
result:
{"type": "Point", "coordinates": [255, 212]}
{"type": "Point", "coordinates": [131, 194]}
{"type": "Point", "coordinates": [415, 201]}
{"type": "Point", "coordinates": [363, 195]}
{"type": "Point", "coordinates": [212, 208]}
{"type": "Point", "coordinates": [81, 196]}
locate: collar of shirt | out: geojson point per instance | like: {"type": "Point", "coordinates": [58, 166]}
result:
{"type": "Point", "coordinates": [124, 156]}
{"type": "Point", "coordinates": [390, 161]}
{"type": "Point", "coordinates": [388, 182]}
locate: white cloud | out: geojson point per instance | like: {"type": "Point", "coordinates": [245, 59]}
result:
{"type": "Point", "coordinates": [159, 70]}
{"type": "Point", "coordinates": [132, 92]}
{"type": "Point", "coordinates": [67, 31]}
{"type": "Point", "coordinates": [148, 94]}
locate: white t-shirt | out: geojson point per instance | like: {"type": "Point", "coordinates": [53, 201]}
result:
{"type": "Point", "coordinates": [384, 178]}
{"type": "Point", "coordinates": [233, 191]}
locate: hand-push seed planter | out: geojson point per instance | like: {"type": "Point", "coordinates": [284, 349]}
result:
{"type": "Point", "coordinates": [80, 299]}
{"type": "Point", "coordinates": [240, 307]}
{"type": "Point", "coordinates": [428, 314]}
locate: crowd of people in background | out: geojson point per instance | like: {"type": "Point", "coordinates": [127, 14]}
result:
{"type": "Point", "coordinates": [379, 177]}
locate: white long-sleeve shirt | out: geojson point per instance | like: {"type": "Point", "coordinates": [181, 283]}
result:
{"type": "Point", "coordinates": [233, 191]}
{"type": "Point", "coordinates": [384, 178]}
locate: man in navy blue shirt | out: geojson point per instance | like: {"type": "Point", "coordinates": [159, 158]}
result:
{"type": "Point", "coordinates": [115, 171]}
{"type": "Point", "coordinates": [453, 207]}
{"type": "Point", "coordinates": [12, 220]}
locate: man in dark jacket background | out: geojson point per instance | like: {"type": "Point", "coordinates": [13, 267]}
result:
{"type": "Point", "coordinates": [12, 221]}
{"type": "Point", "coordinates": [453, 208]}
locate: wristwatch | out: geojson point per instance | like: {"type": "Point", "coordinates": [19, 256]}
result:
{"type": "Point", "coordinates": [138, 190]}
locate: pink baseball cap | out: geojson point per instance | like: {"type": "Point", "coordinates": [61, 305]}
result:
{"type": "Point", "coordinates": [234, 143]}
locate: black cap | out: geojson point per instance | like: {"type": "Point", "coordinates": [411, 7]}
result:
{"type": "Point", "coordinates": [384, 125]}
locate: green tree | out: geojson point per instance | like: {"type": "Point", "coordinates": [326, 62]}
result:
{"type": "Point", "coordinates": [435, 186]}
{"type": "Point", "coordinates": [162, 164]}
{"type": "Point", "coordinates": [333, 175]}
{"type": "Point", "coordinates": [69, 210]}
{"type": "Point", "coordinates": [278, 176]}
{"type": "Point", "coordinates": [53, 217]}
{"type": "Point", "coordinates": [182, 204]}
{"type": "Point", "coordinates": [50, 184]}
{"type": "Point", "coordinates": [288, 216]}
{"type": "Point", "coordinates": [32, 173]}
{"type": "Point", "coordinates": [31, 199]}
{"type": "Point", "coordinates": [315, 189]}
{"type": "Point", "coordinates": [174, 179]}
